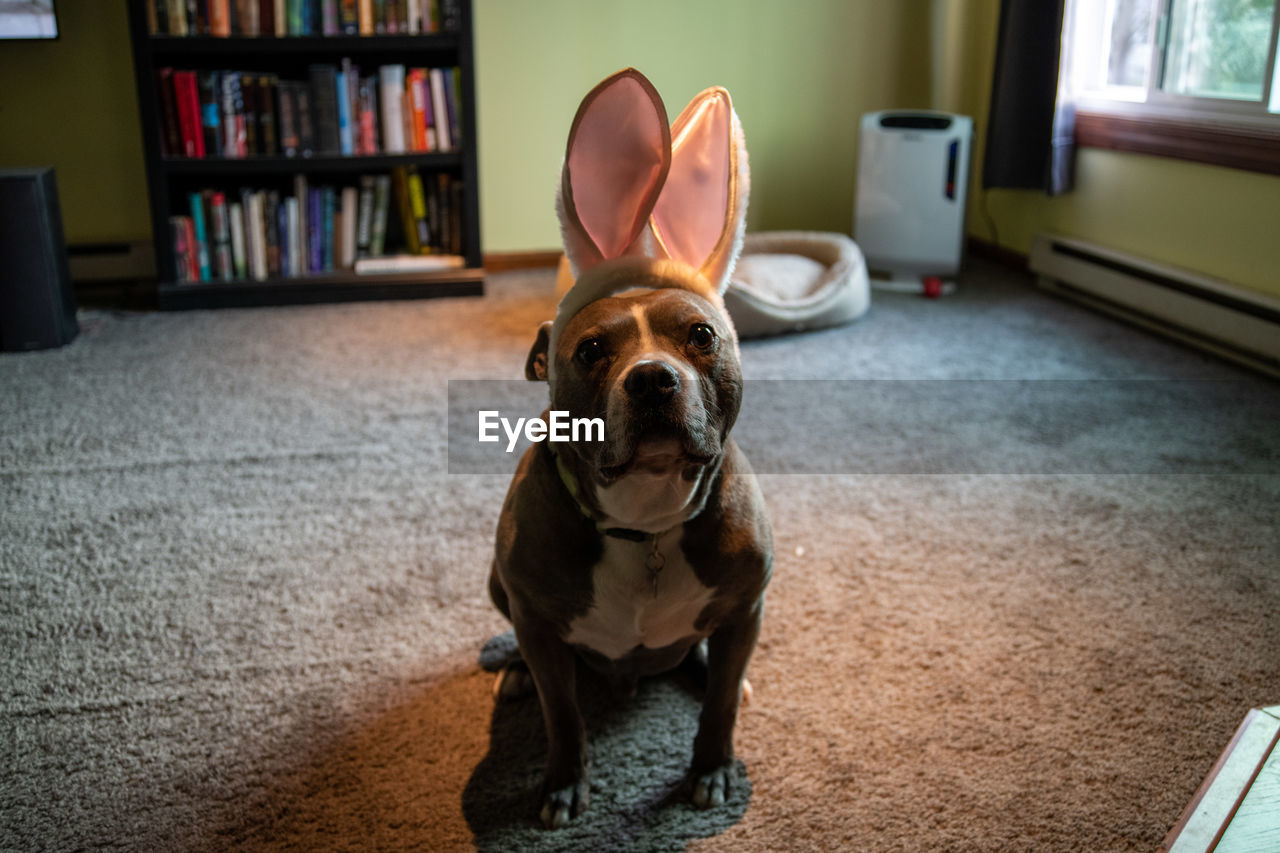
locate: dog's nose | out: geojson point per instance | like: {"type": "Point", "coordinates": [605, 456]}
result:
{"type": "Point", "coordinates": [652, 382]}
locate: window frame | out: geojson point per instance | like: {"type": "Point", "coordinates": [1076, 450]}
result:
{"type": "Point", "coordinates": [1216, 131]}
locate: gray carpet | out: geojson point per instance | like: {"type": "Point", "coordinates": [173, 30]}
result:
{"type": "Point", "coordinates": [244, 598]}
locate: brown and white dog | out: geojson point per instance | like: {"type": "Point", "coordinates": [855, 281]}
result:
{"type": "Point", "coordinates": [629, 553]}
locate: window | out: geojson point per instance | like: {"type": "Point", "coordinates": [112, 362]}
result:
{"type": "Point", "coordinates": [1193, 78]}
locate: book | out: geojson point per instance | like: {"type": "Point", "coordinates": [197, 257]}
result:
{"type": "Point", "coordinates": [220, 18]}
{"type": "Point", "coordinates": [331, 25]}
{"type": "Point", "coordinates": [349, 17]}
{"type": "Point", "coordinates": [188, 109]}
{"type": "Point", "coordinates": [366, 17]}
{"type": "Point", "coordinates": [302, 196]}
{"type": "Point", "coordinates": [210, 121]}
{"type": "Point", "coordinates": [381, 207]}
{"type": "Point", "coordinates": [306, 125]}
{"type": "Point", "coordinates": [350, 202]}
{"type": "Point", "coordinates": [345, 140]}
{"type": "Point", "coordinates": [453, 98]}
{"type": "Point", "coordinates": [407, 263]}
{"type": "Point", "coordinates": [416, 85]}
{"type": "Point", "coordinates": [390, 96]}
{"type": "Point", "coordinates": [328, 200]}
{"type": "Point", "coordinates": [239, 253]}
{"type": "Point", "coordinates": [441, 110]}
{"type": "Point", "coordinates": [233, 128]}
{"type": "Point", "coordinates": [171, 140]}
{"type": "Point", "coordinates": [181, 249]}
{"type": "Point", "coordinates": [271, 232]}
{"type": "Point", "coordinates": [288, 115]}
{"type": "Point", "coordinates": [223, 264]}
{"type": "Point", "coordinates": [364, 217]}
{"type": "Point", "coordinates": [324, 101]}
{"type": "Point", "coordinates": [249, 111]}
{"type": "Point", "coordinates": [296, 264]}
{"type": "Point", "coordinates": [315, 230]}
{"type": "Point", "coordinates": [268, 143]}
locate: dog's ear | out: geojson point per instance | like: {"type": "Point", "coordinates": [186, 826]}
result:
{"type": "Point", "coordinates": [535, 368]}
{"type": "Point", "coordinates": [617, 159]}
{"type": "Point", "coordinates": [701, 214]}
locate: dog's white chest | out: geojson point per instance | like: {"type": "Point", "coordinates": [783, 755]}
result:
{"type": "Point", "coordinates": [626, 613]}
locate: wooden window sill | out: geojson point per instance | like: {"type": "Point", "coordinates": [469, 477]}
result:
{"type": "Point", "coordinates": [1252, 149]}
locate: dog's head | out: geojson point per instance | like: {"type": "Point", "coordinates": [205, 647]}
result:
{"type": "Point", "coordinates": [652, 218]}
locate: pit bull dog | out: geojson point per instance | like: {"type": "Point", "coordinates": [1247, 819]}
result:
{"type": "Point", "coordinates": [635, 553]}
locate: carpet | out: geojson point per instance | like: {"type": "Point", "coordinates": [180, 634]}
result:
{"type": "Point", "coordinates": [244, 598]}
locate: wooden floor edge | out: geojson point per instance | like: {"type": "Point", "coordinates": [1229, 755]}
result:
{"type": "Point", "coordinates": [507, 261]}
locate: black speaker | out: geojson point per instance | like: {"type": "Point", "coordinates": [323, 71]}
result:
{"type": "Point", "coordinates": [37, 305]}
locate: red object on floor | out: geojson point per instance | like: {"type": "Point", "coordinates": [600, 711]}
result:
{"type": "Point", "coordinates": [932, 286]}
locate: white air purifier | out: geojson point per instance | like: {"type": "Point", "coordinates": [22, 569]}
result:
{"type": "Point", "coordinates": [913, 174]}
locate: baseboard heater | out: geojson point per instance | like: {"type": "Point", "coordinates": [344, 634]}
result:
{"type": "Point", "coordinates": [1227, 320]}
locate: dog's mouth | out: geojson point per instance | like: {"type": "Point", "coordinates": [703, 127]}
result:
{"type": "Point", "coordinates": [657, 456]}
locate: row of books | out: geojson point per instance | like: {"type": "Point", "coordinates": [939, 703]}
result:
{"type": "Point", "coordinates": [224, 18]}
{"type": "Point", "coordinates": [386, 223]}
{"type": "Point", "coordinates": [336, 110]}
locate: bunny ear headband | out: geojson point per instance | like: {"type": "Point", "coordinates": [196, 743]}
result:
{"type": "Point", "coordinates": [642, 204]}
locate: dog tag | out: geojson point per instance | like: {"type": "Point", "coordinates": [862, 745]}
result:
{"type": "Point", "coordinates": [654, 563]}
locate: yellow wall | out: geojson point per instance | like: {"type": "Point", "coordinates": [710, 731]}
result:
{"type": "Point", "coordinates": [801, 74]}
{"type": "Point", "coordinates": [70, 104]}
{"type": "Point", "coordinates": [1220, 222]}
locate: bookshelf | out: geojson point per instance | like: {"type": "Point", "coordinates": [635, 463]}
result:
{"type": "Point", "coordinates": [172, 179]}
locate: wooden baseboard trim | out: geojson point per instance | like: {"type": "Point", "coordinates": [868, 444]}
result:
{"type": "Point", "coordinates": [507, 261]}
{"type": "Point", "coordinates": [1011, 258]}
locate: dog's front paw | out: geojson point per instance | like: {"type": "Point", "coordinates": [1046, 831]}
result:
{"type": "Point", "coordinates": [563, 804]}
{"type": "Point", "coordinates": [711, 788]}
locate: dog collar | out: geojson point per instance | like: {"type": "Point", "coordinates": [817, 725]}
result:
{"type": "Point", "coordinates": [575, 492]}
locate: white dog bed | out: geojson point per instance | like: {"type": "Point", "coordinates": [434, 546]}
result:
{"type": "Point", "coordinates": [788, 281]}
{"type": "Point", "coordinates": [794, 281]}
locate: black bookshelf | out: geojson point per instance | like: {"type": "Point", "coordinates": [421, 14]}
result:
{"type": "Point", "coordinates": [168, 178]}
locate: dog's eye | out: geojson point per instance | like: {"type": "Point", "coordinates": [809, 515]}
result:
{"type": "Point", "coordinates": [701, 335]}
{"type": "Point", "coordinates": [590, 351]}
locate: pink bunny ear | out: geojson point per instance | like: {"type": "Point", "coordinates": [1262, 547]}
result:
{"type": "Point", "coordinates": [699, 216]}
{"type": "Point", "coordinates": [617, 160]}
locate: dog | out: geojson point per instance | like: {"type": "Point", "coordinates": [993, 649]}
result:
{"type": "Point", "coordinates": [653, 546]}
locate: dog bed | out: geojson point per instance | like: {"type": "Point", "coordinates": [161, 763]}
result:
{"type": "Point", "coordinates": [788, 281]}
{"type": "Point", "coordinates": [794, 281]}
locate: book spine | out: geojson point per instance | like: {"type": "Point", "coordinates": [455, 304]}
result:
{"type": "Point", "coordinates": [210, 121]}
{"type": "Point", "coordinates": [400, 190]}
{"type": "Point", "coordinates": [296, 265]}
{"type": "Point", "coordinates": [366, 17]}
{"type": "Point", "coordinates": [350, 200]}
{"type": "Point", "coordinates": [267, 97]}
{"type": "Point", "coordinates": [177, 18]}
{"type": "Point", "coordinates": [418, 207]}
{"type": "Point", "coordinates": [220, 18]}
{"type": "Point", "coordinates": [433, 140]}
{"type": "Point", "coordinates": [295, 17]}
{"type": "Point", "coordinates": [345, 144]}
{"type": "Point", "coordinates": [315, 227]}
{"type": "Point", "coordinates": [239, 255]}
{"type": "Point", "coordinates": [390, 95]}
{"type": "Point", "coordinates": [188, 112]}
{"type": "Point", "coordinates": [364, 218]}
{"type": "Point", "coordinates": [249, 93]}
{"type": "Point", "coordinates": [181, 249]}
{"type": "Point", "coordinates": [271, 231]}
{"type": "Point", "coordinates": [381, 205]}
{"type": "Point", "coordinates": [453, 98]}
{"type": "Point", "coordinates": [324, 97]}
{"type": "Point", "coordinates": [306, 120]}
{"type": "Point", "coordinates": [441, 109]}
{"type": "Point", "coordinates": [201, 246]}
{"type": "Point", "coordinates": [223, 264]}
{"type": "Point", "coordinates": [349, 17]}
{"type": "Point", "coordinates": [302, 195]}
{"type": "Point", "coordinates": [331, 22]}
{"type": "Point", "coordinates": [329, 202]}
{"type": "Point", "coordinates": [233, 142]}
{"type": "Point", "coordinates": [456, 201]}
{"type": "Point", "coordinates": [288, 114]}
{"type": "Point", "coordinates": [450, 16]}
{"type": "Point", "coordinates": [281, 226]}
{"type": "Point", "coordinates": [267, 17]}
{"type": "Point", "coordinates": [413, 11]}
{"type": "Point", "coordinates": [281, 23]}
{"type": "Point", "coordinates": [417, 88]}
{"type": "Point", "coordinates": [171, 140]}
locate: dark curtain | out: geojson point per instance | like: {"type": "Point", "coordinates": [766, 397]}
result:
{"type": "Point", "coordinates": [1030, 130]}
